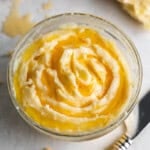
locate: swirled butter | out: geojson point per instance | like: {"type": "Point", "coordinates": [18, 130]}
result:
{"type": "Point", "coordinates": [72, 80]}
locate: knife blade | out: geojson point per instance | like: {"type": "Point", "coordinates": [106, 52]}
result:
{"type": "Point", "coordinates": [144, 114]}
{"type": "Point", "coordinates": [144, 118]}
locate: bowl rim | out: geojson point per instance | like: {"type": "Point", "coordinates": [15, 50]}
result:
{"type": "Point", "coordinates": [92, 134]}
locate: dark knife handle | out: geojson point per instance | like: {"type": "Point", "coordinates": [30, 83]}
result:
{"type": "Point", "coordinates": [123, 143]}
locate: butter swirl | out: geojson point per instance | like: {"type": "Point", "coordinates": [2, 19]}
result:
{"type": "Point", "coordinates": [72, 77]}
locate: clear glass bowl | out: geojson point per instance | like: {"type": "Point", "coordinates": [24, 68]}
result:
{"type": "Point", "coordinates": [107, 30]}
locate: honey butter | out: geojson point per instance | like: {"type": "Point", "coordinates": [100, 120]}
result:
{"type": "Point", "coordinates": [72, 80]}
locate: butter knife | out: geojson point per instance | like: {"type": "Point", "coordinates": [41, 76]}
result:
{"type": "Point", "coordinates": [144, 118]}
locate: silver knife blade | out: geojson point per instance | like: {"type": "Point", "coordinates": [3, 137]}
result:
{"type": "Point", "coordinates": [144, 114]}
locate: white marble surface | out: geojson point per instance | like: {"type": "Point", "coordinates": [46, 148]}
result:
{"type": "Point", "coordinates": [15, 134]}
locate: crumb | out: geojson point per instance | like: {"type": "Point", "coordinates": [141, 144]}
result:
{"type": "Point", "coordinates": [20, 25]}
{"type": "Point", "coordinates": [46, 148]}
{"type": "Point", "coordinates": [8, 54]}
{"type": "Point", "coordinates": [46, 5]}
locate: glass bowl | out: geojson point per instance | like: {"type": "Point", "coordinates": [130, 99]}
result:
{"type": "Point", "coordinates": [107, 30]}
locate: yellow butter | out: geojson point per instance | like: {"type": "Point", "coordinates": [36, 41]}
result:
{"type": "Point", "coordinates": [72, 80]}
